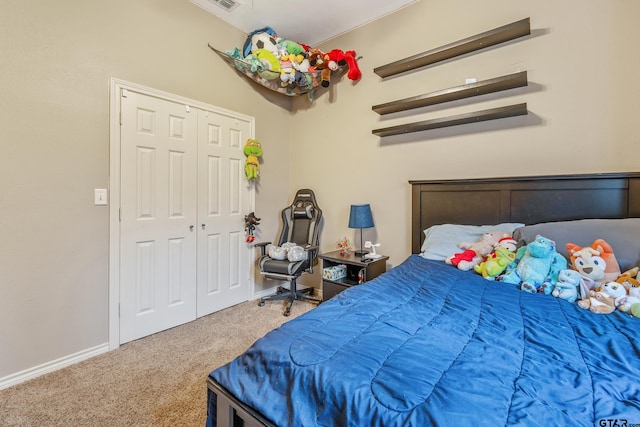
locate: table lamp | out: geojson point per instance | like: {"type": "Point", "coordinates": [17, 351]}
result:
{"type": "Point", "coordinates": [360, 217]}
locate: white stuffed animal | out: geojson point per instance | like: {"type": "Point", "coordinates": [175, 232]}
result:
{"type": "Point", "coordinates": [604, 300]}
{"type": "Point", "coordinates": [289, 251]}
{"type": "Point", "coordinates": [625, 302]}
{"type": "Point", "coordinates": [474, 253]}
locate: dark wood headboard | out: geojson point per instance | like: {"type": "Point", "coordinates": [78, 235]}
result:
{"type": "Point", "coordinates": [528, 200]}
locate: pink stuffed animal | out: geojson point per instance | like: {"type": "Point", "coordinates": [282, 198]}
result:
{"type": "Point", "coordinates": [474, 253]}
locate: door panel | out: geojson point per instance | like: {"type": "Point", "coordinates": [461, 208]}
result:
{"type": "Point", "coordinates": [158, 210]}
{"type": "Point", "coordinates": [223, 194]}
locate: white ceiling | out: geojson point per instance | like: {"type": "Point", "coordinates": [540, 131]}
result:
{"type": "Point", "coordinates": [304, 21]}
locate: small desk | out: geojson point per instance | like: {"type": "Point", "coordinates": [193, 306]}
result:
{"type": "Point", "coordinates": [359, 270]}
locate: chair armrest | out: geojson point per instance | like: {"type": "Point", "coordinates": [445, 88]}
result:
{"type": "Point", "coordinates": [263, 247]}
{"type": "Point", "coordinates": [311, 251]}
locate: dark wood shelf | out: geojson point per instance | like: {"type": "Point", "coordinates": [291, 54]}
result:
{"type": "Point", "coordinates": [460, 119]}
{"type": "Point", "coordinates": [496, 84]}
{"type": "Point", "coordinates": [480, 41]}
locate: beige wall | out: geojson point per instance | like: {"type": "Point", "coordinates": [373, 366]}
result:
{"type": "Point", "coordinates": [57, 59]}
{"type": "Point", "coordinates": [582, 99]}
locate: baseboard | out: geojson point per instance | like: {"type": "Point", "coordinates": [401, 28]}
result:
{"type": "Point", "coordinates": [54, 365]}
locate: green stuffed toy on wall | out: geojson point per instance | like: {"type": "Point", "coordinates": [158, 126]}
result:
{"type": "Point", "coordinates": [253, 151]}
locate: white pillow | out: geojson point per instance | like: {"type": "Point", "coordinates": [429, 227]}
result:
{"type": "Point", "coordinates": [441, 241]}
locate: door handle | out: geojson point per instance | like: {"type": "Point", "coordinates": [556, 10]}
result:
{"type": "Point", "coordinates": [204, 226]}
{"type": "Point", "coordinates": [191, 228]}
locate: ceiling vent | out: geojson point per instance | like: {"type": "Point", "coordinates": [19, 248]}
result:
{"type": "Point", "coordinates": [227, 5]}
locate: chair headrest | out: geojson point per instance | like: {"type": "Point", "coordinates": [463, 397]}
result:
{"type": "Point", "coordinates": [302, 209]}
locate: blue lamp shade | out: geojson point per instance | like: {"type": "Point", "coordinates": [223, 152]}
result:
{"type": "Point", "coordinates": [360, 216]}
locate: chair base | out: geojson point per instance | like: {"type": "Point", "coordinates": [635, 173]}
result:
{"type": "Point", "coordinates": [283, 293]}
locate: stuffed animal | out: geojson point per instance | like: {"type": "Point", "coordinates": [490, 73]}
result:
{"type": "Point", "coordinates": [628, 280]}
{"type": "Point", "coordinates": [475, 252]}
{"type": "Point", "coordinates": [603, 301]}
{"type": "Point", "coordinates": [596, 261]}
{"type": "Point", "coordinates": [320, 61]}
{"type": "Point", "coordinates": [287, 71]}
{"type": "Point", "coordinates": [625, 302]}
{"type": "Point", "coordinates": [297, 253]}
{"type": "Point", "coordinates": [497, 261]}
{"type": "Point", "coordinates": [635, 310]}
{"type": "Point", "coordinates": [291, 47]}
{"type": "Point", "coordinates": [262, 38]}
{"type": "Point", "coordinates": [346, 58]}
{"type": "Point", "coordinates": [567, 285]}
{"type": "Point", "coordinates": [250, 223]}
{"type": "Point", "coordinates": [289, 251]}
{"type": "Point", "coordinates": [277, 252]}
{"type": "Point", "coordinates": [253, 151]}
{"type": "Point", "coordinates": [538, 266]}
{"type": "Point", "coordinates": [254, 63]}
{"type": "Point", "coordinates": [270, 64]}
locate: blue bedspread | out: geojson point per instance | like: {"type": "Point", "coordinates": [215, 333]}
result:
{"type": "Point", "coordinates": [426, 344]}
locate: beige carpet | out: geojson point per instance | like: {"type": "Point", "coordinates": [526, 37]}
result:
{"type": "Point", "coordinates": [159, 380]}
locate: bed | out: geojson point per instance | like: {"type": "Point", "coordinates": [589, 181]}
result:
{"type": "Point", "coordinates": [427, 344]}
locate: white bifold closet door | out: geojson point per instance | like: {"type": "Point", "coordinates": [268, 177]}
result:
{"type": "Point", "coordinates": [183, 201]}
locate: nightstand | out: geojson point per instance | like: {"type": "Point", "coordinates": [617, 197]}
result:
{"type": "Point", "coordinates": [358, 271]}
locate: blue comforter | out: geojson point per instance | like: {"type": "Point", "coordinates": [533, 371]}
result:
{"type": "Point", "coordinates": [426, 344]}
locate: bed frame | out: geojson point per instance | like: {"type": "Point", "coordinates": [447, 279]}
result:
{"type": "Point", "coordinates": [528, 200]}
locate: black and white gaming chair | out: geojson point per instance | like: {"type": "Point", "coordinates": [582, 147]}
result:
{"type": "Point", "coordinates": [300, 225]}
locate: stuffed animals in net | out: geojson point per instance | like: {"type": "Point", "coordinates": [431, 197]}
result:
{"type": "Point", "coordinates": [475, 252]}
{"type": "Point", "coordinates": [603, 301]}
{"type": "Point", "coordinates": [267, 58]}
{"type": "Point", "coordinates": [537, 268]}
{"type": "Point", "coordinates": [250, 223]}
{"type": "Point", "coordinates": [253, 151]}
{"type": "Point", "coordinates": [347, 58]}
{"type": "Point", "coordinates": [320, 61]}
{"type": "Point", "coordinates": [597, 261]}
{"type": "Point", "coordinates": [497, 261]}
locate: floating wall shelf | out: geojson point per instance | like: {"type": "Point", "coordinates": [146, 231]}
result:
{"type": "Point", "coordinates": [497, 84]}
{"type": "Point", "coordinates": [460, 119]}
{"type": "Point", "coordinates": [470, 44]}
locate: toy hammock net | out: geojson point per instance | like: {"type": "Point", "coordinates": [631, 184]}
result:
{"type": "Point", "coordinates": [271, 79]}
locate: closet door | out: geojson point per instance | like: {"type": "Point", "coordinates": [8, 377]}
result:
{"type": "Point", "coordinates": [224, 259]}
{"type": "Point", "coordinates": [158, 215]}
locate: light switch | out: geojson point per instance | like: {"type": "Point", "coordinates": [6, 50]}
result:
{"type": "Point", "coordinates": [100, 196]}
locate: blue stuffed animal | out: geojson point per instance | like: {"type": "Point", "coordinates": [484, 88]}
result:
{"type": "Point", "coordinates": [567, 285]}
{"type": "Point", "coordinates": [537, 268]}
